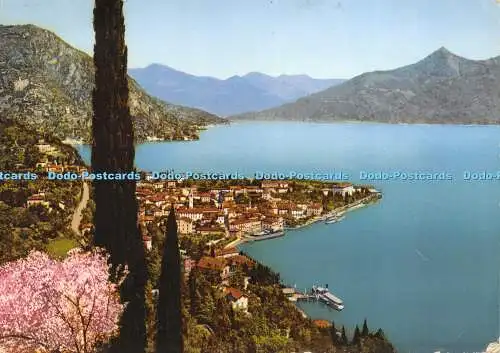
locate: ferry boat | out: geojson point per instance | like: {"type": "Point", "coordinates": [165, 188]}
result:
{"type": "Point", "coordinates": [266, 235]}
{"type": "Point", "coordinates": [324, 295]}
{"type": "Point", "coordinates": [334, 219]}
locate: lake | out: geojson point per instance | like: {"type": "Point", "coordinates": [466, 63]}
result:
{"type": "Point", "coordinates": [423, 263]}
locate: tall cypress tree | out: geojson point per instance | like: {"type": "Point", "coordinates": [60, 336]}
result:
{"type": "Point", "coordinates": [357, 335]}
{"type": "Point", "coordinates": [113, 152]}
{"type": "Point", "coordinates": [365, 330]}
{"type": "Point", "coordinates": [333, 333]}
{"type": "Point", "coordinates": [344, 339]}
{"type": "Point", "coordinates": [169, 315]}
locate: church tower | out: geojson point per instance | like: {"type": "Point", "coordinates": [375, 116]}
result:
{"type": "Point", "coordinates": [190, 199]}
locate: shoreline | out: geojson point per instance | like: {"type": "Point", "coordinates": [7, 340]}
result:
{"type": "Point", "coordinates": [339, 211]}
{"type": "Point", "coordinates": [71, 141]}
{"type": "Point", "coordinates": [330, 122]}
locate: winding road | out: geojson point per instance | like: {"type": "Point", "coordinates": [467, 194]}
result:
{"type": "Point", "coordinates": [77, 215]}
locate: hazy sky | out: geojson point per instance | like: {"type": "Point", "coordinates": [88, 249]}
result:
{"type": "Point", "coordinates": [322, 38]}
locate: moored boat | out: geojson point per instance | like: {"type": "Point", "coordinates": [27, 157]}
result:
{"type": "Point", "coordinates": [324, 295]}
{"type": "Point", "coordinates": [267, 235]}
{"type": "Point", "coordinates": [334, 219]}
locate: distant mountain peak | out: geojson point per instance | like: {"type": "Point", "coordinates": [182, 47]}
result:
{"type": "Point", "coordinates": [445, 55]}
{"type": "Point", "coordinates": [440, 88]}
{"type": "Point", "coordinates": [158, 66]}
{"type": "Point", "coordinates": [255, 74]}
{"type": "Point", "coordinates": [442, 63]}
{"type": "Point", "coordinates": [444, 50]}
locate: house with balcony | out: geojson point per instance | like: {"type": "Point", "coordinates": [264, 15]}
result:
{"type": "Point", "coordinates": [238, 300]}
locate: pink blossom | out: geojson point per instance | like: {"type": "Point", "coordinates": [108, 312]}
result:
{"type": "Point", "coordinates": [69, 306]}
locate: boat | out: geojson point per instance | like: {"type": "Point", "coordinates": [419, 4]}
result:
{"type": "Point", "coordinates": [324, 295]}
{"type": "Point", "coordinates": [334, 219]}
{"type": "Point", "coordinates": [268, 235]}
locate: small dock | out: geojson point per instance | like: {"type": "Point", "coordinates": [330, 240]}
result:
{"type": "Point", "coordinates": [316, 294]}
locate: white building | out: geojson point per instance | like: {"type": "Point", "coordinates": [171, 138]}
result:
{"type": "Point", "coordinates": [238, 300]}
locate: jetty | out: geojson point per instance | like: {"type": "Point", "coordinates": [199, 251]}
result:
{"type": "Point", "coordinates": [316, 293]}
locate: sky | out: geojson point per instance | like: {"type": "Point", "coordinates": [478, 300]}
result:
{"type": "Point", "coordinates": [321, 38]}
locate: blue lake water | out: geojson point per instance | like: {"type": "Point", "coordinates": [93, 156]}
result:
{"type": "Point", "coordinates": [423, 263]}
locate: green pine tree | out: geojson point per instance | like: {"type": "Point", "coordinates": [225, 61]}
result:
{"type": "Point", "coordinates": [169, 313]}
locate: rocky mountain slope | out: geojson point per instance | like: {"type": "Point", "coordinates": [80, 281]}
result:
{"type": "Point", "coordinates": [237, 94]}
{"type": "Point", "coordinates": [441, 88]}
{"type": "Point", "coordinates": [47, 84]}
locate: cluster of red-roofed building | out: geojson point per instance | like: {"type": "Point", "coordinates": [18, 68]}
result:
{"type": "Point", "coordinates": [219, 210]}
{"type": "Point", "coordinates": [224, 265]}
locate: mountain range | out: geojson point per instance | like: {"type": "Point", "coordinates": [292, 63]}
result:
{"type": "Point", "coordinates": [47, 84]}
{"type": "Point", "coordinates": [237, 94]}
{"type": "Point", "coordinates": [441, 88]}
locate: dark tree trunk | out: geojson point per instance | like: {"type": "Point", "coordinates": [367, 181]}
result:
{"type": "Point", "coordinates": [113, 152]}
{"type": "Point", "coordinates": [169, 321]}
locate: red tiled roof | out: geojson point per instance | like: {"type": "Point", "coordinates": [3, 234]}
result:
{"type": "Point", "coordinates": [316, 205]}
{"type": "Point", "coordinates": [211, 263]}
{"type": "Point", "coordinates": [228, 251]}
{"type": "Point", "coordinates": [240, 260]}
{"type": "Point", "coordinates": [233, 292]}
{"type": "Point", "coordinates": [244, 221]}
{"type": "Point", "coordinates": [36, 198]}
{"type": "Point", "coordinates": [198, 210]}
{"type": "Point", "coordinates": [209, 229]}
{"type": "Point", "coordinates": [322, 323]}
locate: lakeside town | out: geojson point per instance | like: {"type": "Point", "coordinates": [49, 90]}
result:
{"type": "Point", "coordinates": [247, 210]}
{"type": "Point", "coordinates": [213, 218]}
{"type": "Point", "coordinates": [228, 212]}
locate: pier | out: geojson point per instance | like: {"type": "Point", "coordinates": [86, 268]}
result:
{"type": "Point", "coordinates": [321, 294]}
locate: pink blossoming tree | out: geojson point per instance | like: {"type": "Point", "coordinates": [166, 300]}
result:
{"type": "Point", "coordinates": [57, 306]}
